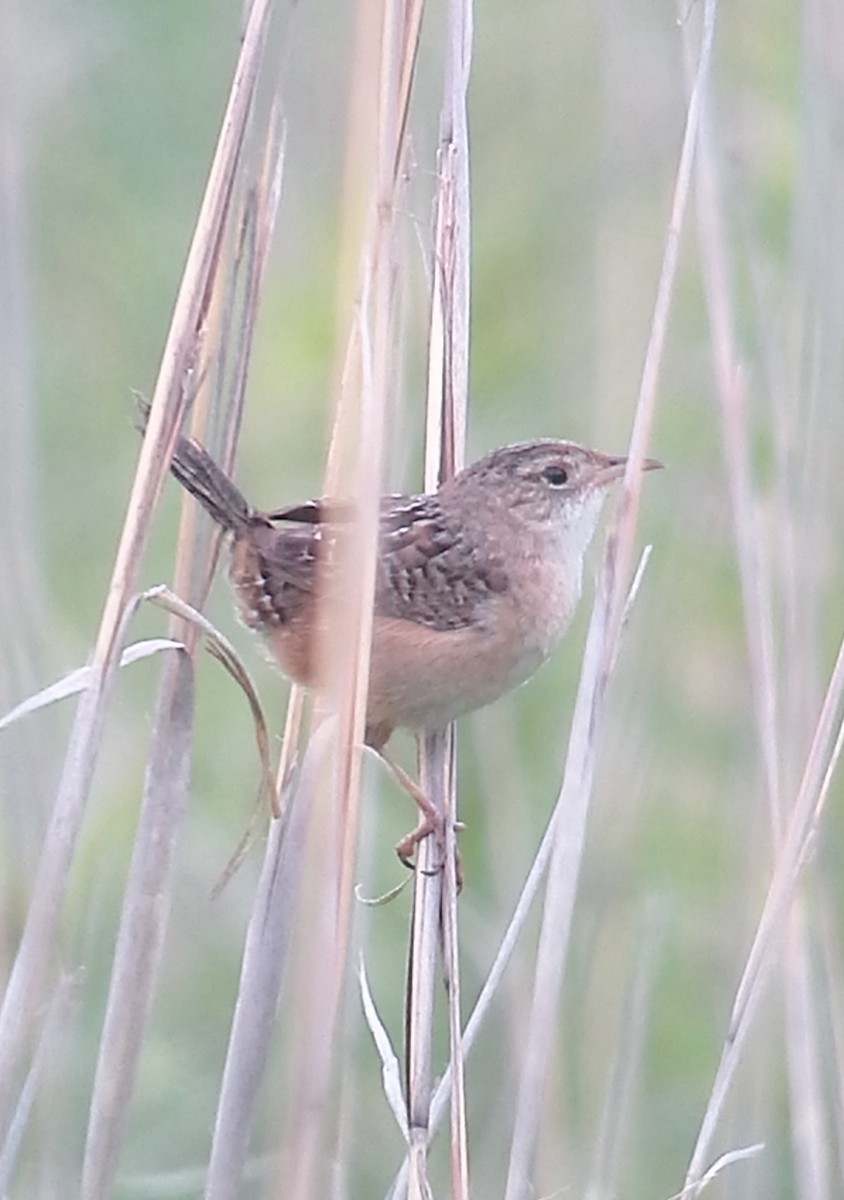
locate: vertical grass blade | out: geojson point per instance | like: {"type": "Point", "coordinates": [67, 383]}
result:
{"type": "Point", "coordinates": [142, 929]}
{"type": "Point", "coordinates": [31, 968]}
{"type": "Point", "coordinates": [600, 652]}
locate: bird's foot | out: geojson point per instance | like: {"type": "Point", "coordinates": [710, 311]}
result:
{"type": "Point", "coordinates": [432, 822]}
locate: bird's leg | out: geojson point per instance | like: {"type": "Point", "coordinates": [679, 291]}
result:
{"type": "Point", "coordinates": [431, 820]}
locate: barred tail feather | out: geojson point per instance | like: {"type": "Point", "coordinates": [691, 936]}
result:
{"type": "Point", "coordinates": [196, 471]}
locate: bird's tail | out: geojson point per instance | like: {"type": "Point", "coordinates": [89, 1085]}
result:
{"type": "Point", "coordinates": [196, 471]}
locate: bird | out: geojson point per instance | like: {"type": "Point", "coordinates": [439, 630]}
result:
{"type": "Point", "coordinates": [476, 582]}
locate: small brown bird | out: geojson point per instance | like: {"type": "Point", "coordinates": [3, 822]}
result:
{"type": "Point", "coordinates": [476, 583]}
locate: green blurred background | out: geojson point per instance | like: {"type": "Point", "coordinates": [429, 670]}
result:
{"type": "Point", "coordinates": [110, 113]}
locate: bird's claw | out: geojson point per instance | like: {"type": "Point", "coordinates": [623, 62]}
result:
{"type": "Point", "coordinates": [406, 848]}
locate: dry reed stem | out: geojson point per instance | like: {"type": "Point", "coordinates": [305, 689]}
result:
{"type": "Point", "coordinates": [802, 1033]}
{"type": "Point", "coordinates": [629, 1054]}
{"type": "Point", "coordinates": [801, 1018]}
{"type": "Point", "coordinates": [600, 651]}
{"type": "Point", "coordinates": [149, 887]}
{"type": "Point", "coordinates": [803, 1040]}
{"type": "Point", "coordinates": [423, 974]}
{"type": "Point", "coordinates": [271, 190]}
{"type": "Point", "coordinates": [565, 857]}
{"type": "Point", "coordinates": [24, 611]}
{"type": "Point", "coordinates": [833, 970]}
{"type": "Point", "coordinates": [730, 384]}
{"type": "Point", "coordinates": [452, 256]}
{"type": "Point", "coordinates": [483, 1005]}
{"type": "Point", "coordinates": [143, 925]}
{"type": "Point", "coordinates": [273, 919]}
{"type": "Point", "coordinates": [53, 1024]}
{"type": "Point", "coordinates": [452, 267]}
{"type": "Point", "coordinates": [28, 980]}
{"type": "Point", "coordinates": [794, 850]}
{"type": "Point", "coordinates": [328, 831]}
{"type": "Point", "coordinates": [451, 960]}
{"type": "Point", "coordinates": [349, 616]}
{"type": "Point", "coordinates": [434, 925]}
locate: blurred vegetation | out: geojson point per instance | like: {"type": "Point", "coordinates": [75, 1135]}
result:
{"type": "Point", "coordinates": [576, 119]}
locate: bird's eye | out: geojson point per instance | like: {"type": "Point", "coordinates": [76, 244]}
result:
{"type": "Point", "coordinates": [556, 476]}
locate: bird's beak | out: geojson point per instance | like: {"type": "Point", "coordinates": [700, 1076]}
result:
{"type": "Point", "coordinates": [614, 468]}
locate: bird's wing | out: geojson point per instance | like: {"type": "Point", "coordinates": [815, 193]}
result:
{"type": "Point", "coordinates": [430, 572]}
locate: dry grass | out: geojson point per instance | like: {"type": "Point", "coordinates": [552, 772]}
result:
{"type": "Point", "coordinates": [321, 1072]}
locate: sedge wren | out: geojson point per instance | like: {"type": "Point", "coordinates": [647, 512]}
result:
{"type": "Point", "coordinates": [475, 583]}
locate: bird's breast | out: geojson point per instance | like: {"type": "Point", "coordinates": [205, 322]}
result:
{"type": "Point", "coordinates": [543, 596]}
